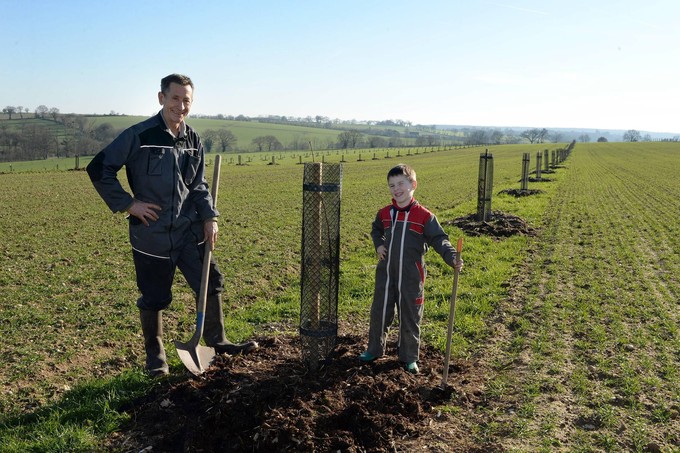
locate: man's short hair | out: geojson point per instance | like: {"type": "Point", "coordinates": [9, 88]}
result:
{"type": "Point", "coordinates": [402, 170]}
{"type": "Point", "coordinates": [179, 79]}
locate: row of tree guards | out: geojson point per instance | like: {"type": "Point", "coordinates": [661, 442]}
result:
{"type": "Point", "coordinates": [485, 181]}
{"type": "Point", "coordinates": [558, 156]}
{"type": "Point", "coordinates": [321, 194]}
{"type": "Point", "coordinates": [362, 156]}
{"type": "Point", "coordinates": [322, 154]}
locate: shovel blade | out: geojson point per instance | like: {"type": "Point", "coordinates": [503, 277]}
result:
{"type": "Point", "coordinates": [196, 358]}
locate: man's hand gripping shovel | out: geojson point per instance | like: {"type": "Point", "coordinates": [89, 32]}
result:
{"type": "Point", "coordinates": [195, 356]}
{"type": "Point", "coordinates": [452, 313]}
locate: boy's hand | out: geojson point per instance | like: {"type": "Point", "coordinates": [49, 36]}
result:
{"type": "Point", "coordinates": [458, 264]}
{"type": "Point", "coordinates": [382, 252]}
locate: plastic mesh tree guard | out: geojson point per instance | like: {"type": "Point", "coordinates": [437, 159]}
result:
{"type": "Point", "coordinates": [526, 162]}
{"type": "Point", "coordinates": [320, 261]}
{"type": "Point", "coordinates": [485, 186]}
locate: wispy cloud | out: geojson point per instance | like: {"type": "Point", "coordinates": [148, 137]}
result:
{"type": "Point", "coordinates": [517, 8]}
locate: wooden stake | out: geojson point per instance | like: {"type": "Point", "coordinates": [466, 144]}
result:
{"type": "Point", "coordinates": [452, 313]}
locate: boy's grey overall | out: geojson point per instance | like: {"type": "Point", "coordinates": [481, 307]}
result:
{"type": "Point", "coordinates": [399, 278]}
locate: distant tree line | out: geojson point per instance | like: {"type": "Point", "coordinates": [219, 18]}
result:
{"type": "Point", "coordinates": [41, 111]}
{"type": "Point", "coordinates": [53, 134]}
{"type": "Point", "coordinates": [66, 135]}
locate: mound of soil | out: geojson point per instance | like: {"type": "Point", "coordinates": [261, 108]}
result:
{"type": "Point", "coordinates": [269, 401]}
{"type": "Point", "coordinates": [520, 193]}
{"type": "Point", "coordinates": [498, 225]}
{"type": "Point", "coordinates": [540, 180]}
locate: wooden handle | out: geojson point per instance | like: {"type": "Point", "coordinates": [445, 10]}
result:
{"type": "Point", "coordinates": [216, 179]}
{"type": "Point", "coordinates": [452, 315]}
{"type": "Point", "coordinates": [207, 255]}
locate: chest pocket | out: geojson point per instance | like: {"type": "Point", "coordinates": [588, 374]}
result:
{"type": "Point", "coordinates": [155, 163]}
{"type": "Point", "coordinates": [416, 228]}
{"type": "Point", "coordinates": [190, 163]}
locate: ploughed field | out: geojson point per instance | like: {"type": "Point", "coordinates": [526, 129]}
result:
{"type": "Point", "coordinates": [566, 333]}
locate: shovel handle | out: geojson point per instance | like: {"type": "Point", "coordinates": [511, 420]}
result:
{"type": "Point", "coordinates": [216, 179]}
{"type": "Point", "coordinates": [205, 273]}
{"type": "Point", "coordinates": [452, 313]}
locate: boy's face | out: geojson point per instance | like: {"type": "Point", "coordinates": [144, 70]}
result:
{"type": "Point", "coordinates": [401, 189]}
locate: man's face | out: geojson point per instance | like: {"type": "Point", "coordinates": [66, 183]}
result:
{"type": "Point", "coordinates": [401, 189]}
{"type": "Point", "coordinates": [176, 102]}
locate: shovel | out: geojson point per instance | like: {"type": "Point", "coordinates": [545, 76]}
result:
{"type": "Point", "coordinates": [195, 356]}
{"type": "Point", "coordinates": [452, 314]}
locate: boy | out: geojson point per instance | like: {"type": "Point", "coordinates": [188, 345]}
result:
{"type": "Point", "coordinates": [402, 233]}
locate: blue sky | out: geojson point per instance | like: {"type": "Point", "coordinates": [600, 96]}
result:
{"type": "Point", "coordinates": [599, 64]}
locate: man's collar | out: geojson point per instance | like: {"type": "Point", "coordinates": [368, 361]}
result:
{"type": "Point", "coordinates": [182, 127]}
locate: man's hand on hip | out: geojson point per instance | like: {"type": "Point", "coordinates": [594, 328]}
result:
{"type": "Point", "coordinates": [145, 212]}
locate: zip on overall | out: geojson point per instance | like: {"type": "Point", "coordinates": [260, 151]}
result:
{"type": "Point", "coordinates": [394, 220]}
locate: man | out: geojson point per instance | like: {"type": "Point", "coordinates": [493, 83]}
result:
{"type": "Point", "coordinates": [171, 215]}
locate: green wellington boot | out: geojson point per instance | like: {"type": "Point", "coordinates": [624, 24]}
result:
{"type": "Point", "coordinates": [412, 367]}
{"type": "Point", "coordinates": [152, 328]}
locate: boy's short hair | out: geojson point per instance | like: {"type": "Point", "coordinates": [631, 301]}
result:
{"type": "Point", "coordinates": [402, 170]}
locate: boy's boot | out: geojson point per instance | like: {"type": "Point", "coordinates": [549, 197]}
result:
{"type": "Point", "coordinates": [213, 330]}
{"type": "Point", "coordinates": [152, 327]}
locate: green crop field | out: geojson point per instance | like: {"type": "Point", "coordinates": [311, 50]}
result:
{"type": "Point", "coordinates": [245, 131]}
{"type": "Point", "coordinates": [574, 332]}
